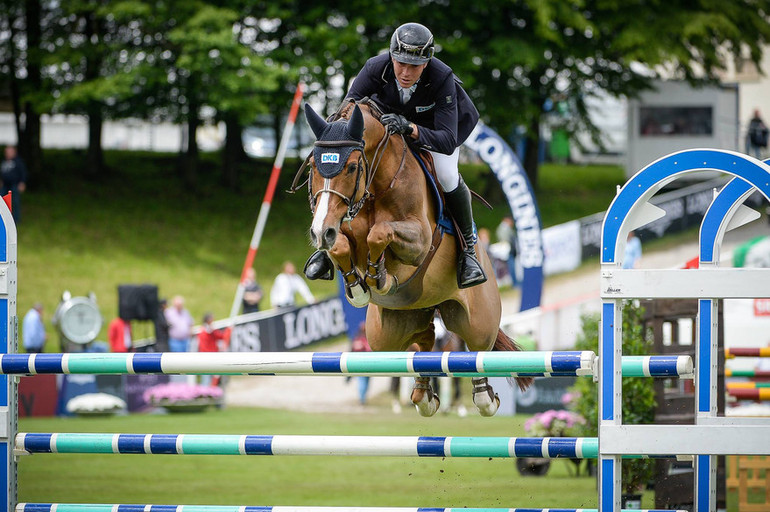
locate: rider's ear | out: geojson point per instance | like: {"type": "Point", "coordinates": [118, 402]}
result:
{"type": "Point", "coordinates": [356, 124]}
{"type": "Point", "coordinates": [316, 122]}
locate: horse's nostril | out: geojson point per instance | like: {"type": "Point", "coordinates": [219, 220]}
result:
{"type": "Point", "coordinates": [313, 238]}
{"type": "Point", "coordinates": [330, 236]}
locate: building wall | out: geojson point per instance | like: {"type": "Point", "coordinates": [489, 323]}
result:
{"type": "Point", "coordinates": [725, 132]}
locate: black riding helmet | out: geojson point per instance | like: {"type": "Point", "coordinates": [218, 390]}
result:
{"type": "Point", "coordinates": [411, 43]}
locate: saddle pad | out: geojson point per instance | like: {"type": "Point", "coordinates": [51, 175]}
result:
{"type": "Point", "coordinates": [444, 220]}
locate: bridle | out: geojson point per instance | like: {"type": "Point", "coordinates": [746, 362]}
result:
{"type": "Point", "coordinates": [353, 206]}
{"type": "Point", "coordinates": [363, 166]}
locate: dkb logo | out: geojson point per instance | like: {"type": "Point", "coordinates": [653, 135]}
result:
{"type": "Point", "coordinates": [330, 158]}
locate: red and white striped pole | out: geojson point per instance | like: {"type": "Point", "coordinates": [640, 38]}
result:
{"type": "Point", "coordinates": [267, 201]}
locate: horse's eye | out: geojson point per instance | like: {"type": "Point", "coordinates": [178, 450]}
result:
{"type": "Point", "coordinates": [352, 167]}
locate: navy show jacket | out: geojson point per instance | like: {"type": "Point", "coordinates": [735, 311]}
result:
{"type": "Point", "coordinates": [439, 105]}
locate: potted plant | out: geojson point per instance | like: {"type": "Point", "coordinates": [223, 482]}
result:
{"type": "Point", "coordinates": [551, 423]}
{"type": "Point", "coordinates": [638, 401]}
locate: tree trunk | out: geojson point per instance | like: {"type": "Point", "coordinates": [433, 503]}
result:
{"type": "Point", "coordinates": [95, 156]}
{"type": "Point", "coordinates": [277, 124]}
{"type": "Point", "coordinates": [234, 153]}
{"type": "Point", "coordinates": [532, 156]}
{"type": "Point", "coordinates": [29, 140]}
{"type": "Point", "coordinates": [190, 159]}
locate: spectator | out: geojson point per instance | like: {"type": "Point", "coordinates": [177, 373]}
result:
{"type": "Point", "coordinates": [33, 330]}
{"type": "Point", "coordinates": [120, 336]}
{"type": "Point", "coordinates": [211, 340]}
{"type": "Point", "coordinates": [505, 232]}
{"type": "Point", "coordinates": [756, 136]}
{"type": "Point", "coordinates": [286, 285]}
{"type": "Point", "coordinates": [13, 172]}
{"type": "Point", "coordinates": [361, 344]}
{"type": "Point", "coordinates": [633, 251]}
{"type": "Point", "coordinates": [252, 292]}
{"type": "Point", "coordinates": [161, 327]}
{"type": "Point", "coordinates": [180, 324]}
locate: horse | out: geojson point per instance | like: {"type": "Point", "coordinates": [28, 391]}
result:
{"type": "Point", "coordinates": [375, 216]}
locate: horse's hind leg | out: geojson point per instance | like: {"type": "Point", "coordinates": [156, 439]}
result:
{"type": "Point", "coordinates": [424, 398]}
{"type": "Point", "coordinates": [388, 329]}
{"type": "Point", "coordinates": [484, 397]}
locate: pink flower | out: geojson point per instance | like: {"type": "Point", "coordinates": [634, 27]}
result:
{"type": "Point", "coordinates": [179, 392]}
{"type": "Point", "coordinates": [552, 423]}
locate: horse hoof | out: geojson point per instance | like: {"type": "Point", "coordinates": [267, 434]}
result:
{"type": "Point", "coordinates": [486, 404]}
{"type": "Point", "coordinates": [428, 406]}
{"type": "Point", "coordinates": [359, 296]}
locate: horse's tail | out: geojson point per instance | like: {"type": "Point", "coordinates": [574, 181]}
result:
{"type": "Point", "coordinates": [504, 343]}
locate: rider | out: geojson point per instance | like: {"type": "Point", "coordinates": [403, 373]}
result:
{"type": "Point", "coordinates": [424, 101]}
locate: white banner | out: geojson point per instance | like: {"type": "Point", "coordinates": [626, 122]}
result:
{"type": "Point", "coordinates": [562, 248]}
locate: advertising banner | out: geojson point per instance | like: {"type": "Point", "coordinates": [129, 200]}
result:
{"type": "Point", "coordinates": [496, 153]}
{"type": "Point", "coordinates": [282, 329]}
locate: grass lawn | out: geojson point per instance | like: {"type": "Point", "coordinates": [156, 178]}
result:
{"type": "Point", "coordinates": [295, 480]}
{"type": "Point", "coordinates": [137, 224]}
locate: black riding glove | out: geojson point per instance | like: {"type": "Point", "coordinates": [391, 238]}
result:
{"type": "Point", "coordinates": [396, 123]}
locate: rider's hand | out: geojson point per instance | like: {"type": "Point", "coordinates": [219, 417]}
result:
{"type": "Point", "coordinates": [396, 123]}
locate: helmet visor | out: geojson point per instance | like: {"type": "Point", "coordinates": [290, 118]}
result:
{"type": "Point", "coordinates": [410, 53]}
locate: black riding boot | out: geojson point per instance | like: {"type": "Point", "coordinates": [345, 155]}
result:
{"type": "Point", "coordinates": [469, 271]}
{"type": "Point", "coordinates": [319, 266]}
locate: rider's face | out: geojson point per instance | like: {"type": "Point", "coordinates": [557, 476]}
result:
{"type": "Point", "coordinates": [407, 74]}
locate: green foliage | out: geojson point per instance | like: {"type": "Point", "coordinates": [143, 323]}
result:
{"type": "Point", "coordinates": [638, 401]}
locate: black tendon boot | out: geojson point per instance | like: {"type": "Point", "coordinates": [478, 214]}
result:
{"type": "Point", "coordinates": [319, 266]}
{"type": "Point", "coordinates": [469, 271]}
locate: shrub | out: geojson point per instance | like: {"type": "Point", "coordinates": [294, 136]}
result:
{"type": "Point", "coordinates": [638, 400]}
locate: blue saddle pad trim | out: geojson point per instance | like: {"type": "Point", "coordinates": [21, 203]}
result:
{"type": "Point", "coordinates": [444, 222]}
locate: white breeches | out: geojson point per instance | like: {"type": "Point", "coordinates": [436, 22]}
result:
{"type": "Point", "coordinates": [446, 169]}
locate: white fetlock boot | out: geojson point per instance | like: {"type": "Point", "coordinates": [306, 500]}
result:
{"type": "Point", "coordinates": [484, 397]}
{"type": "Point", "coordinates": [423, 397]}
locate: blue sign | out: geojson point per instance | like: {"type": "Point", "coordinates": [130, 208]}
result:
{"type": "Point", "coordinates": [521, 199]}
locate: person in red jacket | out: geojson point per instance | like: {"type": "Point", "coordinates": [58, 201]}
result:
{"type": "Point", "coordinates": [212, 340]}
{"type": "Point", "coordinates": [119, 335]}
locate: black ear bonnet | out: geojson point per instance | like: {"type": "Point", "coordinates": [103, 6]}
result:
{"type": "Point", "coordinates": [336, 141]}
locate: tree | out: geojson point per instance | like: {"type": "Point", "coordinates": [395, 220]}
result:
{"type": "Point", "coordinates": [86, 50]}
{"type": "Point", "coordinates": [22, 52]}
{"type": "Point", "coordinates": [517, 58]}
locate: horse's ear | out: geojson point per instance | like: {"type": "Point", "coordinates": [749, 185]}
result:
{"type": "Point", "coordinates": [356, 124]}
{"type": "Point", "coordinates": [316, 122]}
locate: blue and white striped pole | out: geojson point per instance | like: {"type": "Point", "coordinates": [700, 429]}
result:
{"type": "Point", "coordinates": [469, 364]}
{"type": "Point", "coordinates": [379, 446]}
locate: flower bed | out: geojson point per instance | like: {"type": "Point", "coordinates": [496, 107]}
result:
{"type": "Point", "coordinates": [553, 423]}
{"type": "Point", "coordinates": [178, 397]}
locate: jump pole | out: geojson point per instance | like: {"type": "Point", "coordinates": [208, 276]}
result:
{"type": "Point", "coordinates": [732, 353]}
{"type": "Point", "coordinates": [268, 200]}
{"type": "Point", "coordinates": [355, 446]}
{"type": "Point", "coordinates": [468, 364]}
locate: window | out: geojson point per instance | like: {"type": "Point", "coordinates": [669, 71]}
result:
{"type": "Point", "coordinates": [672, 121]}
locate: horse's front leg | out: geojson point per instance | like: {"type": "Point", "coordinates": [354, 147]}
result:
{"type": "Point", "coordinates": [356, 290]}
{"type": "Point", "coordinates": [408, 240]}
